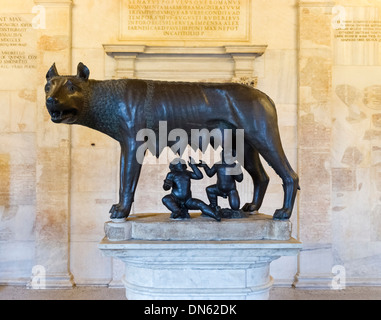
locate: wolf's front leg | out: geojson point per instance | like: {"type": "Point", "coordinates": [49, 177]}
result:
{"type": "Point", "coordinates": [130, 168]}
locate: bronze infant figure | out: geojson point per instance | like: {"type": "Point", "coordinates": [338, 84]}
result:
{"type": "Point", "coordinates": [120, 108]}
{"type": "Point", "coordinates": [226, 183]}
{"type": "Point", "coordinates": [180, 199]}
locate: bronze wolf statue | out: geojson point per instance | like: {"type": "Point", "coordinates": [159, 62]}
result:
{"type": "Point", "coordinates": [120, 108]}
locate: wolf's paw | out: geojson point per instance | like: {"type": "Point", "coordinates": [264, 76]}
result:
{"type": "Point", "coordinates": [250, 207]}
{"type": "Point", "coordinates": [119, 213]}
{"type": "Point", "coordinates": [282, 214]}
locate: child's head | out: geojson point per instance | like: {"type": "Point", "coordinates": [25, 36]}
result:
{"type": "Point", "coordinates": [177, 164]}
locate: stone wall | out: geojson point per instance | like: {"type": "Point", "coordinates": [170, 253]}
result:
{"type": "Point", "coordinates": [339, 61]}
{"type": "Point", "coordinates": [58, 182]}
{"type": "Point", "coordinates": [18, 146]}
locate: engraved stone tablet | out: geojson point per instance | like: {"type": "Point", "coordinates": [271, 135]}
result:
{"type": "Point", "coordinates": [211, 20]}
{"type": "Point", "coordinates": [18, 49]}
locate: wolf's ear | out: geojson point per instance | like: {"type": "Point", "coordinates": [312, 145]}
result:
{"type": "Point", "coordinates": [52, 72]}
{"type": "Point", "coordinates": [83, 72]}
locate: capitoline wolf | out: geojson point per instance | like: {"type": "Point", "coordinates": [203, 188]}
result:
{"type": "Point", "coordinates": [121, 108]}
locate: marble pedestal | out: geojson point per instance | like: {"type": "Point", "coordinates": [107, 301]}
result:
{"type": "Point", "coordinates": [198, 258]}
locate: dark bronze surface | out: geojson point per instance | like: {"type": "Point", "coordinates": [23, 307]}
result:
{"type": "Point", "coordinates": [120, 108]}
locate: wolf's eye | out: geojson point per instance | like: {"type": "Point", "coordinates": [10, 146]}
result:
{"type": "Point", "coordinates": [70, 87]}
{"type": "Point", "coordinates": [47, 88]}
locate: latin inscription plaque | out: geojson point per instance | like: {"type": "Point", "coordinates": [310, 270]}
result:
{"type": "Point", "coordinates": [18, 50]}
{"type": "Point", "coordinates": [360, 30]}
{"type": "Point", "coordinates": [17, 38]}
{"type": "Point", "coordinates": [201, 20]}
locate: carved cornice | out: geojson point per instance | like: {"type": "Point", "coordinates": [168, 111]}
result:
{"type": "Point", "coordinates": [242, 55]}
{"type": "Point", "coordinates": [255, 50]}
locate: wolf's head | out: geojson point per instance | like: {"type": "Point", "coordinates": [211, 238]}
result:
{"type": "Point", "coordinates": [65, 95]}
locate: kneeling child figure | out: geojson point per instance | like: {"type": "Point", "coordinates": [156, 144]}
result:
{"type": "Point", "coordinates": [180, 200]}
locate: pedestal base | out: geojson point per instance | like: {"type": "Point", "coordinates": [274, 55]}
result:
{"type": "Point", "coordinates": [199, 269]}
{"type": "Point", "coordinates": [158, 226]}
{"type": "Point", "coordinates": [214, 270]}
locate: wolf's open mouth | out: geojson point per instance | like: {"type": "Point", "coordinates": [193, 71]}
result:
{"type": "Point", "coordinates": [60, 115]}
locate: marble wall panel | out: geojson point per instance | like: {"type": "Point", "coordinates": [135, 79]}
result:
{"type": "Point", "coordinates": [5, 102]}
{"type": "Point", "coordinates": [275, 23]}
{"type": "Point", "coordinates": [357, 37]}
{"type": "Point", "coordinates": [89, 266]}
{"type": "Point", "coordinates": [176, 67]}
{"type": "Point", "coordinates": [314, 19]}
{"type": "Point", "coordinates": [93, 58]}
{"type": "Point", "coordinates": [53, 151]}
{"type": "Point", "coordinates": [86, 175]}
{"type": "Point", "coordinates": [355, 155]}
{"type": "Point", "coordinates": [18, 49]}
{"type": "Point", "coordinates": [17, 141]}
{"type": "Point", "coordinates": [17, 264]}
{"type": "Point", "coordinates": [284, 275]}
{"type": "Point", "coordinates": [95, 23]}
{"type": "Point", "coordinates": [90, 212]}
{"type": "Point", "coordinates": [23, 111]}
{"type": "Point", "coordinates": [18, 173]}
{"type": "Point", "coordinates": [5, 163]}
{"type": "Point", "coordinates": [279, 76]}
{"type": "Point", "coordinates": [314, 142]}
{"type": "Point", "coordinates": [82, 137]}
{"type": "Point", "coordinates": [17, 206]}
{"type": "Point", "coordinates": [375, 223]}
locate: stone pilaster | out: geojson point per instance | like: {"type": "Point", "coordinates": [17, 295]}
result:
{"type": "Point", "coordinates": [314, 142]}
{"type": "Point", "coordinates": [53, 152]}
